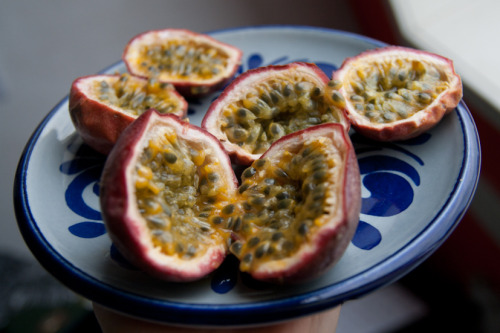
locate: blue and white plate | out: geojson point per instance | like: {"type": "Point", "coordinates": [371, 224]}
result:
{"type": "Point", "coordinates": [414, 194]}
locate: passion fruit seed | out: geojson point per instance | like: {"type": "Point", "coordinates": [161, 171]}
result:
{"type": "Point", "coordinates": [173, 185]}
{"type": "Point", "coordinates": [278, 212]}
{"type": "Point", "coordinates": [391, 89]}
{"type": "Point", "coordinates": [135, 96]}
{"type": "Point", "coordinates": [274, 108]}
{"type": "Point", "coordinates": [182, 58]}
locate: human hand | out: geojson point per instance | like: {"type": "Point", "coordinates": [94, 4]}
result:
{"type": "Point", "coordinates": [112, 322]}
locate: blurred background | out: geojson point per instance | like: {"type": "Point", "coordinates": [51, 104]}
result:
{"type": "Point", "coordinates": [46, 44]}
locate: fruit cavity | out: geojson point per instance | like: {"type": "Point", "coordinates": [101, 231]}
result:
{"type": "Point", "coordinates": [396, 93]}
{"type": "Point", "coordinates": [264, 104]}
{"type": "Point", "coordinates": [195, 63]}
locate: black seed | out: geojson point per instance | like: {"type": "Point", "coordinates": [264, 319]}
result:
{"type": "Point", "coordinates": [237, 224]}
{"type": "Point", "coordinates": [274, 224]}
{"type": "Point", "coordinates": [424, 97]}
{"type": "Point", "coordinates": [267, 190]}
{"type": "Point", "coordinates": [217, 220]}
{"type": "Point", "coordinates": [253, 241]}
{"type": "Point", "coordinates": [156, 221]}
{"type": "Point", "coordinates": [257, 201]}
{"type": "Point", "coordinates": [275, 96]}
{"type": "Point", "coordinates": [301, 86]}
{"type": "Point", "coordinates": [213, 177]}
{"type": "Point", "coordinates": [319, 196]}
{"type": "Point", "coordinates": [247, 258]}
{"type": "Point", "coordinates": [282, 195]}
{"type": "Point", "coordinates": [243, 187]}
{"type": "Point", "coordinates": [402, 113]}
{"type": "Point", "coordinates": [319, 175]}
{"type": "Point", "coordinates": [247, 206]}
{"type": "Point", "coordinates": [260, 163]}
{"type": "Point", "coordinates": [276, 129]}
{"type": "Point", "coordinates": [265, 97]}
{"type": "Point", "coordinates": [261, 250]}
{"type": "Point", "coordinates": [228, 209]}
{"type": "Point", "coordinates": [402, 75]}
{"type": "Point", "coordinates": [170, 157]}
{"type": "Point", "coordinates": [204, 215]}
{"type": "Point", "coordinates": [240, 134]}
{"type": "Point", "coordinates": [191, 251]}
{"type": "Point", "coordinates": [249, 172]}
{"type": "Point", "coordinates": [229, 223]}
{"type": "Point", "coordinates": [276, 236]}
{"type": "Point", "coordinates": [303, 229]}
{"type": "Point", "coordinates": [280, 173]}
{"type": "Point", "coordinates": [334, 83]}
{"type": "Point", "coordinates": [242, 112]}
{"type": "Point", "coordinates": [388, 116]}
{"type": "Point", "coordinates": [284, 204]}
{"type": "Point", "coordinates": [236, 248]}
{"type": "Point", "coordinates": [356, 98]}
{"type": "Point", "coordinates": [287, 90]}
{"type": "Point", "coordinates": [179, 248]}
{"type": "Point", "coordinates": [306, 151]}
{"type": "Point", "coordinates": [337, 97]}
{"type": "Point", "coordinates": [316, 92]}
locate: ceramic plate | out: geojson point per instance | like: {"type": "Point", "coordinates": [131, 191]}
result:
{"type": "Point", "coordinates": [414, 194]}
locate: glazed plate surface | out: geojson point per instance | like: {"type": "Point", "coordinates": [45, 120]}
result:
{"type": "Point", "coordinates": [414, 193]}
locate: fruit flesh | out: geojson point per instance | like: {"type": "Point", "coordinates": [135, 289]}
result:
{"type": "Point", "coordinates": [134, 96]}
{"type": "Point", "coordinates": [273, 108]}
{"type": "Point", "coordinates": [284, 201]}
{"type": "Point", "coordinates": [395, 84]}
{"type": "Point", "coordinates": [181, 59]}
{"type": "Point", "coordinates": [178, 187]}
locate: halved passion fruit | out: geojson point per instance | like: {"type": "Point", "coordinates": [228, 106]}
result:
{"type": "Point", "coordinates": [299, 206]}
{"type": "Point", "coordinates": [196, 64]}
{"type": "Point", "coordinates": [160, 186]}
{"type": "Point", "coordinates": [396, 93]}
{"type": "Point", "coordinates": [170, 201]}
{"type": "Point", "coordinates": [102, 106]}
{"type": "Point", "coordinates": [264, 104]}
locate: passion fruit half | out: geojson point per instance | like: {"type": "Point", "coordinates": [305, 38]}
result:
{"type": "Point", "coordinates": [299, 206]}
{"type": "Point", "coordinates": [264, 104]}
{"type": "Point", "coordinates": [396, 93]}
{"type": "Point", "coordinates": [160, 185]}
{"type": "Point", "coordinates": [102, 106]}
{"type": "Point", "coordinates": [196, 64]}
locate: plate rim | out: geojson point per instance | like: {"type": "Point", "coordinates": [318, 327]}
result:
{"type": "Point", "coordinates": [403, 261]}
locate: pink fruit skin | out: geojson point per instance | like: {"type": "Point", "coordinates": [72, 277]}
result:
{"type": "Point", "coordinates": [98, 124]}
{"type": "Point", "coordinates": [190, 89]}
{"type": "Point", "coordinates": [126, 229]}
{"type": "Point", "coordinates": [415, 125]}
{"type": "Point", "coordinates": [210, 121]}
{"type": "Point", "coordinates": [330, 244]}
